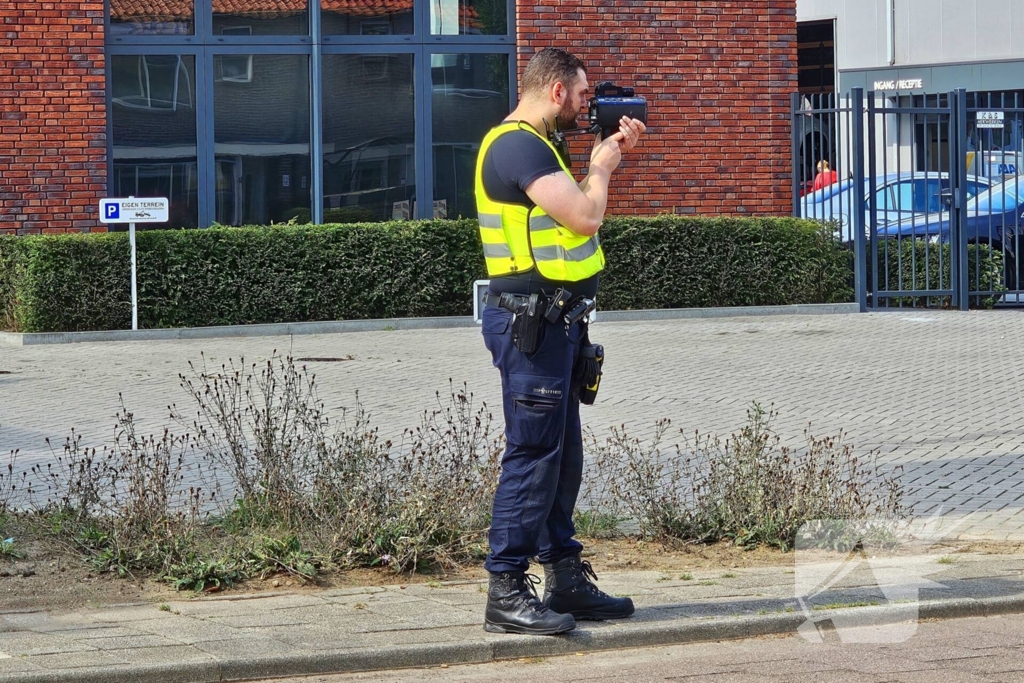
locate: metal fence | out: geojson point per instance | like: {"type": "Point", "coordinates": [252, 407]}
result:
{"type": "Point", "coordinates": [923, 190]}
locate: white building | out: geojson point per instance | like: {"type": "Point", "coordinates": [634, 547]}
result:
{"type": "Point", "coordinates": [913, 53]}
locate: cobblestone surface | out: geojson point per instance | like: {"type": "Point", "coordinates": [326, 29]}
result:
{"type": "Point", "coordinates": [936, 392]}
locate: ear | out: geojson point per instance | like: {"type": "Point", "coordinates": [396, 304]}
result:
{"type": "Point", "coordinates": [559, 92]}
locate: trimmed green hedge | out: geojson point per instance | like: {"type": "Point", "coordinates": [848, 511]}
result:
{"type": "Point", "coordinates": [699, 262]}
{"type": "Point", "coordinates": [247, 275]}
{"type": "Point", "coordinates": [904, 266]}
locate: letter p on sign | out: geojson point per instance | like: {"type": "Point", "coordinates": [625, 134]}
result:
{"type": "Point", "coordinates": [113, 211]}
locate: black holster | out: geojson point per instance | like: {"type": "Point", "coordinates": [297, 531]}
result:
{"type": "Point", "coordinates": [528, 324]}
{"type": "Point", "coordinates": [586, 374]}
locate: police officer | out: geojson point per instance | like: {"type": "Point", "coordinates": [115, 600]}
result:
{"type": "Point", "coordinates": [539, 232]}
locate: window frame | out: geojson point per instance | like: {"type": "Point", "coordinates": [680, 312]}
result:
{"type": "Point", "coordinates": [203, 45]}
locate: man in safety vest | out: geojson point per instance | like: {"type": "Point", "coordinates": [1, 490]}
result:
{"type": "Point", "coordinates": [539, 232]}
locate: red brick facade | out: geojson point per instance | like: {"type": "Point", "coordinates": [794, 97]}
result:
{"type": "Point", "coordinates": [717, 76]}
{"type": "Point", "coordinates": [53, 127]}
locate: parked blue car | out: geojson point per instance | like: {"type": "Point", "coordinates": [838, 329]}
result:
{"type": "Point", "coordinates": [897, 196]}
{"type": "Point", "coordinates": [989, 214]}
{"type": "Point", "coordinates": [994, 217]}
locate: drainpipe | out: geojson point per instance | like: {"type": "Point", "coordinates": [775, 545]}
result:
{"type": "Point", "coordinates": [890, 32]}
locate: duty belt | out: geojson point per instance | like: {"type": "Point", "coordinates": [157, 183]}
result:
{"type": "Point", "coordinates": [562, 305]}
{"type": "Point", "coordinates": [510, 302]}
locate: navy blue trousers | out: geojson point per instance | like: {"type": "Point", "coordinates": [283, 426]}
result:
{"type": "Point", "coordinates": [542, 466]}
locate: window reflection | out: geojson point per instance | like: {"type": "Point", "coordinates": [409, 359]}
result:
{"type": "Point", "coordinates": [260, 17]}
{"type": "Point", "coordinates": [154, 131]}
{"type": "Point", "coordinates": [461, 17]}
{"type": "Point", "coordinates": [261, 134]}
{"type": "Point", "coordinates": [152, 17]}
{"type": "Point", "coordinates": [367, 17]}
{"type": "Point", "coordinates": [369, 138]}
{"type": "Point", "coordinates": [470, 96]}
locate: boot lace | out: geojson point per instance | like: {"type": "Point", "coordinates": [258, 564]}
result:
{"type": "Point", "coordinates": [585, 577]}
{"type": "Point", "coordinates": [526, 589]}
{"type": "Point", "coordinates": [529, 588]}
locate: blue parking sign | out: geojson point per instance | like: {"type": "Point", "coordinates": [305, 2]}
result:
{"type": "Point", "coordinates": [113, 211]}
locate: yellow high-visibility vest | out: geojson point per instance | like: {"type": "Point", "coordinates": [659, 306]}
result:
{"type": "Point", "coordinates": [517, 238]}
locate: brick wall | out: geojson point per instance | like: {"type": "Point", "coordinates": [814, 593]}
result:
{"type": "Point", "coordinates": [717, 75]}
{"type": "Point", "coordinates": [52, 115]}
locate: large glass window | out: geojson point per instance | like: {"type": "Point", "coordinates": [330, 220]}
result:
{"type": "Point", "coordinates": [367, 17]}
{"type": "Point", "coordinates": [154, 131]}
{"type": "Point", "coordinates": [212, 105]}
{"type": "Point", "coordinates": [369, 124]}
{"type": "Point", "coordinates": [160, 17]}
{"type": "Point", "coordinates": [261, 136]}
{"type": "Point", "coordinates": [461, 17]}
{"type": "Point", "coordinates": [469, 96]}
{"type": "Point", "coordinates": [260, 17]}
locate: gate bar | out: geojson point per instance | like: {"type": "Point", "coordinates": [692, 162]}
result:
{"type": "Point", "coordinates": [794, 105]}
{"type": "Point", "coordinates": [859, 205]}
{"type": "Point", "coordinates": [957, 139]}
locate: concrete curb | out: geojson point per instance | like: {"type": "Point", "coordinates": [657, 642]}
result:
{"type": "Point", "coordinates": [622, 635]}
{"type": "Point", "coordinates": [388, 324]}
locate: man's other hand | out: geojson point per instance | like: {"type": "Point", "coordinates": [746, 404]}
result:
{"type": "Point", "coordinates": [630, 130]}
{"type": "Point", "coordinates": [608, 153]}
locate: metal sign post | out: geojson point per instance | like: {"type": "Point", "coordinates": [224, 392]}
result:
{"type": "Point", "coordinates": [135, 292]}
{"type": "Point", "coordinates": [132, 211]}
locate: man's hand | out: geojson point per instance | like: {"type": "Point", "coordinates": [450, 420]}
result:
{"type": "Point", "coordinates": [631, 130]}
{"type": "Point", "coordinates": [607, 154]}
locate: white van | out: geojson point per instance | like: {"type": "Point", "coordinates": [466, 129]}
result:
{"type": "Point", "coordinates": [995, 165]}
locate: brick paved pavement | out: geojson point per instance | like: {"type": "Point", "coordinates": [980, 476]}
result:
{"type": "Point", "coordinates": [937, 392]}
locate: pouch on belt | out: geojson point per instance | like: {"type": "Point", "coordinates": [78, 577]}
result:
{"type": "Point", "coordinates": [586, 374]}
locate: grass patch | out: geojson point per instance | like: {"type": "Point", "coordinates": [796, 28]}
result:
{"type": "Point", "coordinates": [8, 551]}
{"type": "Point", "coordinates": [595, 523]}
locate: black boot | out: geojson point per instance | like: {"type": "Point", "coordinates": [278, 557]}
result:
{"type": "Point", "coordinates": [568, 589]}
{"type": "Point", "coordinates": [513, 607]}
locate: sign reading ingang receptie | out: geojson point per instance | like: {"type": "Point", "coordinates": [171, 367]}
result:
{"type": "Point", "coordinates": [142, 210]}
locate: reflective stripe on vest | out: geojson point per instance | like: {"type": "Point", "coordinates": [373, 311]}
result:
{"type": "Point", "coordinates": [580, 253]}
{"type": "Point", "coordinates": [517, 238]}
{"type": "Point", "coordinates": [490, 220]}
{"type": "Point", "coordinates": [544, 222]}
{"type": "Point", "coordinates": [497, 251]}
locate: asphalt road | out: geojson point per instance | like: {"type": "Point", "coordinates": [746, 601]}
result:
{"type": "Point", "coordinates": [977, 650]}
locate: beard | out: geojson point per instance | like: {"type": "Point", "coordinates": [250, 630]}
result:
{"type": "Point", "coordinates": [566, 118]}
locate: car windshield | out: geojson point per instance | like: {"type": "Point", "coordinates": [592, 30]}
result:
{"type": "Point", "coordinates": [1005, 195]}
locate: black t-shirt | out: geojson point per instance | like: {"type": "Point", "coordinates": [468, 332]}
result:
{"type": "Point", "coordinates": [512, 162]}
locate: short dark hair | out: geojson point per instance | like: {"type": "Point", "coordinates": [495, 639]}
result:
{"type": "Point", "coordinates": [551, 65]}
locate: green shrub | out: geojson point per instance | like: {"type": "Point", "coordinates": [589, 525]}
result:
{"type": "Point", "coordinates": [12, 264]}
{"type": "Point", "coordinates": [673, 262]}
{"type": "Point", "coordinates": [912, 264]}
{"type": "Point", "coordinates": [287, 273]}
